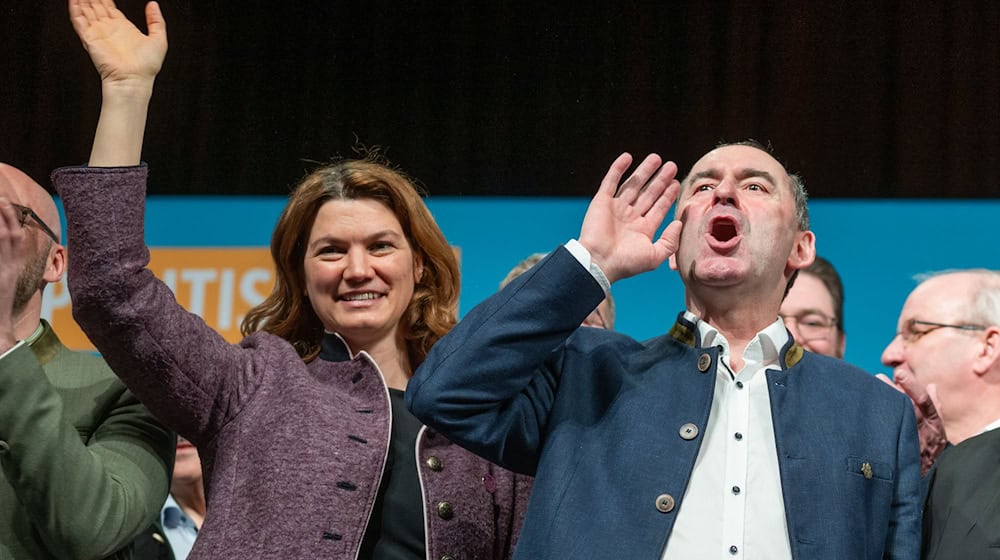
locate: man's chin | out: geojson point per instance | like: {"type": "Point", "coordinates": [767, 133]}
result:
{"type": "Point", "coordinates": [720, 272]}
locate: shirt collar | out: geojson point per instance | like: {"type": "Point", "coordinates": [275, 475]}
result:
{"type": "Point", "coordinates": [991, 426]}
{"type": "Point", "coordinates": [333, 348]}
{"type": "Point", "coordinates": [764, 348]}
{"type": "Point", "coordinates": [172, 516]}
{"type": "Point", "coordinates": [36, 334]}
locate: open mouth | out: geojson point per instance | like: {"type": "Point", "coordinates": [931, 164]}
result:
{"type": "Point", "coordinates": [724, 229]}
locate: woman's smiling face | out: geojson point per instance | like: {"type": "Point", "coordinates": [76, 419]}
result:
{"type": "Point", "coordinates": [359, 270]}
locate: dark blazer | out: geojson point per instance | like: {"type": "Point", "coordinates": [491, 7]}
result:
{"type": "Point", "coordinates": [962, 513]}
{"type": "Point", "coordinates": [85, 466]}
{"type": "Point", "coordinates": [599, 418]}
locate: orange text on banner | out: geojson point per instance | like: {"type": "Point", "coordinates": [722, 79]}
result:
{"type": "Point", "coordinates": [218, 284]}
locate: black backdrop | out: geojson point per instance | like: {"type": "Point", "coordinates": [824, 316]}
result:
{"type": "Point", "coordinates": [899, 99]}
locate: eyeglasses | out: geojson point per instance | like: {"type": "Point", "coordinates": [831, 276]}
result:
{"type": "Point", "coordinates": [24, 213]}
{"type": "Point", "coordinates": [811, 324]}
{"type": "Point", "coordinates": [910, 335]}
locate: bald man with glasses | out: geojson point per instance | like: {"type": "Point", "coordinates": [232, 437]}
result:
{"type": "Point", "coordinates": [947, 353]}
{"type": "Point", "coordinates": [83, 466]}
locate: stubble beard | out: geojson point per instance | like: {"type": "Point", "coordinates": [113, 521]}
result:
{"type": "Point", "coordinates": [30, 280]}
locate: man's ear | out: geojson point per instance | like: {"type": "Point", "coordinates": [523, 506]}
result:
{"type": "Point", "coordinates": [988, 356]}
{"type": "Point", "coordinates": [55, 266]}
{"type": "Point", "coordinates": [803, 252]}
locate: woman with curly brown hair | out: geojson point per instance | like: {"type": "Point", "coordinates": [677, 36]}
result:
{"type": "Point", "coordinates": [307, 449]}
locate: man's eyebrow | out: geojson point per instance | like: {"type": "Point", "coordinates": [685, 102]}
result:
{"type": "Point", "coordinates": [807, 311]}
{"type": "Point", "coordinates": [749, 172]}
{"type": "Point", "coordinates": [706, 174]}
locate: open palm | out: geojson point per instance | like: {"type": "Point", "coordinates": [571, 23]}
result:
{"type": "Point", "coordinates": [623, 218]}
{"type": "Point", "coordinates": [120, 52]}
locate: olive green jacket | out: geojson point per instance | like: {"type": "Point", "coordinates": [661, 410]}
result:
{"type": "Point", "coordinates": [83, 466]}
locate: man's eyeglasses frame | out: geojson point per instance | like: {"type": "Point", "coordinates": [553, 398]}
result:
{"type": "Point", "coordinates": [24, 213]}
{"type": "Point", "coordinates": [909, 335]}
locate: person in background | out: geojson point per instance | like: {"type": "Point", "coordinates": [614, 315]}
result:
{"type": "Point", "coordinates": [174, 533]}
{"type": "Point", "coordinates": [84, 466]}
{"type": "Point", "coordinates": [602, 317]}
{"type": "Point", "coordinates": [813, 309]}
{"type": "Point", "coordinates": [712, 441]}
{"type": "Point", "coordinates": [307, 449]}
{"type": "Point", "coordinates": [948, 347]}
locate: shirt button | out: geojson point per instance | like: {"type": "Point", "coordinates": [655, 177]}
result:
{"type": "Point", "coordinates": [733, 550]}
{"type": "Point", "coordinates": [445, 511]}
{"type": "Point", "coordinates": [704, 362]}
{"type": "Point", "coordinates": [736, 490]}
{"type": "Point", "coordinates": [739, 384]}
{"type": "Point", "coordinates": [738, 436]}
{"type": "Point", "coordinates": [665, 503]}
{"type": "Point", "coordinates": [689, 431]}
{"type": "Point", "coordinates": [434, 463]}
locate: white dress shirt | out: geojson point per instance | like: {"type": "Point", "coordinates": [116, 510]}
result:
{"type": "Point", "coordinates": [733, 507]}
{"type": "Point", "coordinates": [178, 527]}
{"type": "Point", "coordinates": [991, 426]}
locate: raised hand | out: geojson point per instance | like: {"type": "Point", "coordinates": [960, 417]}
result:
{"type": "Point", "coordinates": [621, 221]}
{"type": "Point", "coordinates": [122, 54]}
{"type": "Point", "coordinates": [930, 426]}
{"type": "Point", "coordinates": [128, 61]}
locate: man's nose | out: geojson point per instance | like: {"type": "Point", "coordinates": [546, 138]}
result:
{"type": "Point", "coordinates": [892, 356]}
{"type": "Point", "coordinates": [725, 193]}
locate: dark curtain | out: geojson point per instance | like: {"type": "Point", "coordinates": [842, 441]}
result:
{"type": "Point", "coordinates": [892, 99]}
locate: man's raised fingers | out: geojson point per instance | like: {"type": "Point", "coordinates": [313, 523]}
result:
{"type": "Point", "coordinates": [609, 185]}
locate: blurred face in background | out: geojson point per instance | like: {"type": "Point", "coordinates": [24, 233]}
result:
{"type": "Point", "coordinates": [808, 312]}
{"type": "Point", "coordinates": [187, 465]}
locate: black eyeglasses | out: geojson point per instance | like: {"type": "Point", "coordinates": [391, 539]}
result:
{"type": "Point", "coordinates": [24, 212]}
{"type": "Point", "coordinates": [909, 335]}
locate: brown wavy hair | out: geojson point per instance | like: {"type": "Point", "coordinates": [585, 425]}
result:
{"type": "Point", "coordinates": [288, 313]}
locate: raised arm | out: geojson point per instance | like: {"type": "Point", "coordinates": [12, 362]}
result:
{"type": "Point", "coordinates": [492, 382]}
{"type": "Point", "coordinates": [128, 62]}
{"type": "Point", "coordinates": [188, 375]}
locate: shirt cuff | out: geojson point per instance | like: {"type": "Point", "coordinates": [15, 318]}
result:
{"type": "Point", "coordinates": [582, 255]}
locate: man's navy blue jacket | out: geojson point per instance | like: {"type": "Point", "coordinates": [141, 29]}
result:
{"type": "Point", "coordinates": [596, 417]}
